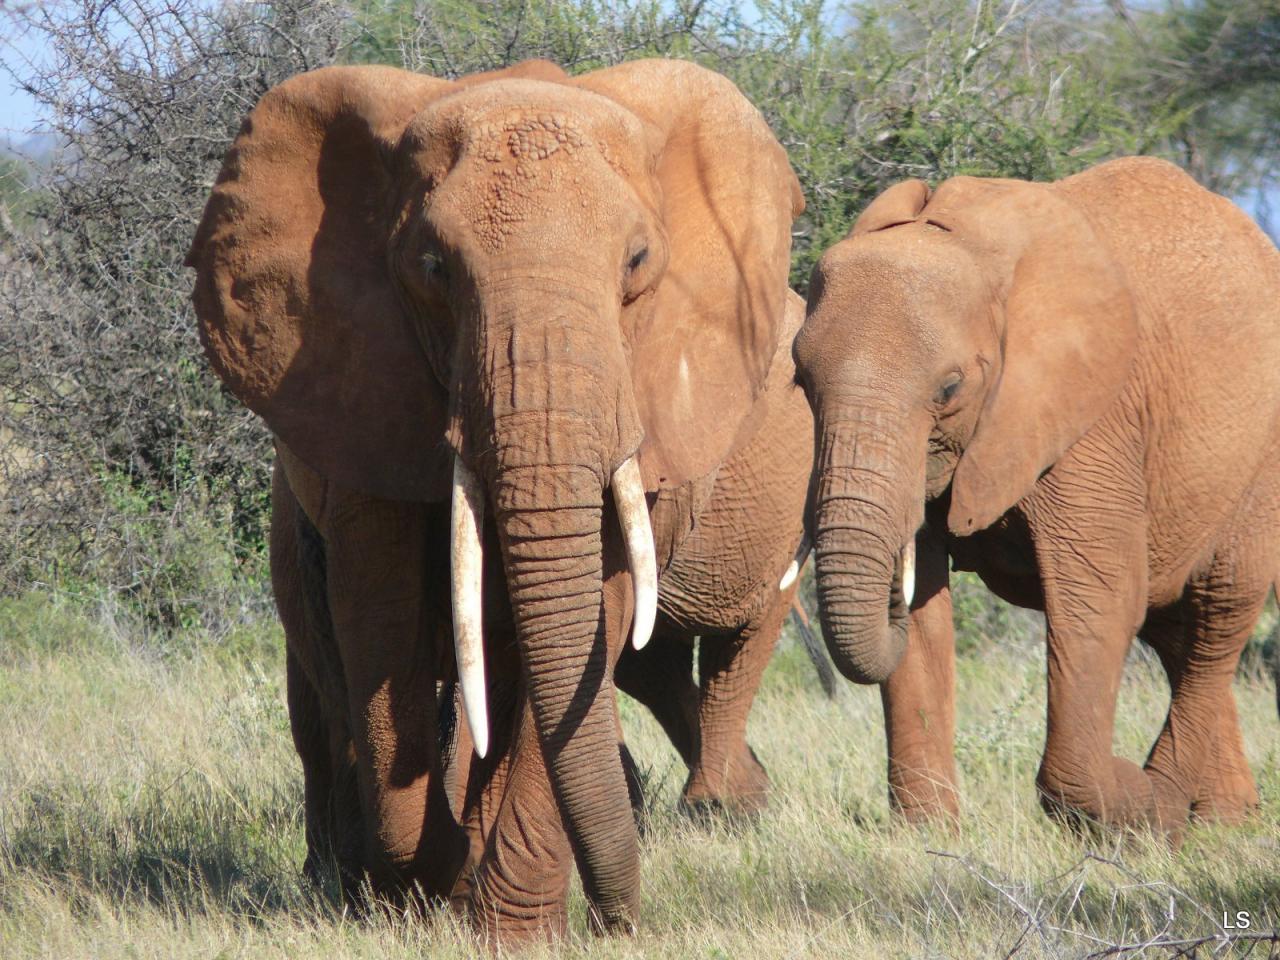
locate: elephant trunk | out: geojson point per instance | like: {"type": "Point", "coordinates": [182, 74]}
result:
{"type": "Point", "coordinates": [556, 414]}
{"type": "Point", "coordinates": [865, 551]}
{"type": "Point", "coordinates": [554, 577]}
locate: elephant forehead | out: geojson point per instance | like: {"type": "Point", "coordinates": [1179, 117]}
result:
{"type": "Point", "coordinates": [913, 263]}
{"type": "Point", "coordinates": [536, 180]}
{"type": "Point", "coordinates": [529, 196]}
{"type": "Point", "coordinates": [530, 120]}
{"type": "Point", "coordinates": [528, 151]}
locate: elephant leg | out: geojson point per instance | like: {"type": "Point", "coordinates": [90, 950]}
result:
{"type": "Point", "coordinates": [1092, 559]}
{"type": "Point", "coordinates": [1198, 759]}
{"type": "Point", "coordinates": [1226, 792]}
{"type": "Point", "coordinates": [315, 694]}
{"type": "Point", "coordinates": [388, 633]}
{"type": "Point", "coordinates": [519, 892]}
{"type": "Point", "coordinates": [919, 698]}
{"type": "Point", "coordinates": [485, 783]}
{"type": "Point", "coordinates": [661, 677]}
{"type": "Point", "coordinates": [311, 740]}
{"type": "Point", "coordinates": [727, 773]}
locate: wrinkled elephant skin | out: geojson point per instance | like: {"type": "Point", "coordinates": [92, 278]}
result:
{"type": "Point", "coordinates": [1073, 389]}
{"type": "Point", "coordinates": [535, 298]}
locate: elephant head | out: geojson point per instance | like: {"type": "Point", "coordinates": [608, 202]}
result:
{"type": "Point", "coordinates": [956, 345]}
{"type": "Point", "coordinates": [519, 291]}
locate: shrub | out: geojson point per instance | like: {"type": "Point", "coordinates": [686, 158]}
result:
{"type": "Point", "coordinates": [125, 469]}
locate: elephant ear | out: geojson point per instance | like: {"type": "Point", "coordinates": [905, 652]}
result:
{"type": "Point", "coordinates": [1069, 338]}
{"type": "Point", "coordinates": [900, 204]}
{"type": "Point", "coordinates": [297, 311]}
{"type": "Point", "coordinates": [728, 197]}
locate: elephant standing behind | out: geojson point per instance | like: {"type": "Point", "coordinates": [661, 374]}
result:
{"type": "Point", "coordinates": [1073, 389]}
{"type": "Point", "coordinates": [467, 310]}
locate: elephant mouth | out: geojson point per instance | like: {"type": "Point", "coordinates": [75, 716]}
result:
{"type": "Point", "coordinates": [467, 563]}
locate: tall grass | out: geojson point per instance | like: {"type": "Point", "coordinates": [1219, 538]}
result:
{"type": "Point", "coordinates": [150, 806]}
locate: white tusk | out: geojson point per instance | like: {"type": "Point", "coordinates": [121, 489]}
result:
{"type": "Point", "coordinates": [467, 565]}
{"type": "Point", "coordinates": [633, 513]}
{"type": "Point", "coordinates": [793, 571]}
{"type": "Point", "coordinates": [789, 577]}
{"type": "Point", "coordinates": [909, 571]}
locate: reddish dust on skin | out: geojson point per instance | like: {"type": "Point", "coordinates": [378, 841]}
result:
{"type": "Point", "coordinates": [517, 188]}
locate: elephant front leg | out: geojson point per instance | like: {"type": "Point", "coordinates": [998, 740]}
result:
{"type": "Point", "coordinates": [315, 691]}
{"type": "Point", "coordinates": [1093, 567]}
{"type": "Point", "coordinates": [387, 631]}
{"type": "Point", "coordinates": [919, 698]}
{"type": "Point", "coordinates": [331, 804]}
{"type": "Point", "coordinates": [519, 893]}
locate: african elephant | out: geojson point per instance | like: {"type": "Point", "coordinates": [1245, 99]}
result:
{"type": "Point", "coordinates": [719, 587]}
{"type": "Point", "coordinates": [1073, 389]}
{"type": "Point", "coordinates": [467, 310]}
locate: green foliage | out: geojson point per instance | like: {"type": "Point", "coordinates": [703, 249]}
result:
{"type": "Point", "coordinates": [127, 472]}
{"type": "Point", "coordinates": [1211, 70]}
{"type": "Point", "coordinates": [16, 197]}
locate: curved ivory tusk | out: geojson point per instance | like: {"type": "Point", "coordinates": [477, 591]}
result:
{"type": "Point", "coordinates": [789, 577]}
{"type": "Point", "coordinates": [633, 513]}
{"type": "Point", "coordinates": [466, 565]}
{"type": "Point", "coordinates": [909, 571]}
{"type": "Point", "coordinates": [793, 571]}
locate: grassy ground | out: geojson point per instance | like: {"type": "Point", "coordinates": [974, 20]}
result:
{"type": "Point", "coordinates": [150, 806]}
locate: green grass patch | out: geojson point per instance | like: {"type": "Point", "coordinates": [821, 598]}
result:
{"type": "Point", "coordinates": [151, 806]}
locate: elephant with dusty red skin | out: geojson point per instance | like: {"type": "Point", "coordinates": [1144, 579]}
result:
{"type": "Point", "coordinates": [492, 323]}
{"type": "Point", "coordinates": [1072, 388]}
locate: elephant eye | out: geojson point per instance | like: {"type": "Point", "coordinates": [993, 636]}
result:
{"type": "Point", "coordinates": [433, 267]}
{"type": "Point", "coordinates": [949, 387]}
{"type": "Point", "coordinates": [637, 259]}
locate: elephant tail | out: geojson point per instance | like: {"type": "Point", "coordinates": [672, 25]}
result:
{"type": "Point", "coordinates": [814, 647]}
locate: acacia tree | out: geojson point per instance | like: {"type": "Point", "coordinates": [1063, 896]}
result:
{"type": "Point", "coordinates": [1212, 69]}
{"type": "Point", "coordinates": [126, 467]}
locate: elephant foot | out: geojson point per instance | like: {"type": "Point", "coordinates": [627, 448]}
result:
{"type": "Point", "coordinates": [1227, 792]}
{"type": "Point", "coordinates": [615, 922]}
{"type": "Point", "coordinates": [919, 798]}
{"type": "Point", "coordinates": [340, 881]}
{"type": "Point", "coordinates": [1126, 798]}
{"type": "Point", "coordinates": [1229, 799]}
{"type": "Point", "coordinates": [518, 922]}
{"type": "Point", "coordinates": [742, 791]}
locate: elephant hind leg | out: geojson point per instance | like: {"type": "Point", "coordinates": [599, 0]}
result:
{"type": "Point", "coordinates": [1197, 764]}
{"type": "Point", "coordinates": [727, 774]}
{"type": "Point", "coordinates": [315, 693]}
{"type": "Point", "coordinates": [661, 677]}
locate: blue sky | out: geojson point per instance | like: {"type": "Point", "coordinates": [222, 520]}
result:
{"type": "Point", "coordinates": [18, 114]}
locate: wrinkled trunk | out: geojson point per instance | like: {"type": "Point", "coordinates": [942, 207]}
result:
{"type": "Point", "coordinates": [555, 586]}
{"type": "Point", "coordinates": [863, 500]}
{"type": "Point", "coordinates": [559, 426]}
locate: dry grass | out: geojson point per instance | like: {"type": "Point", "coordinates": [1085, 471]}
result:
{"type": "Point", "coordinates": [150, 806]}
